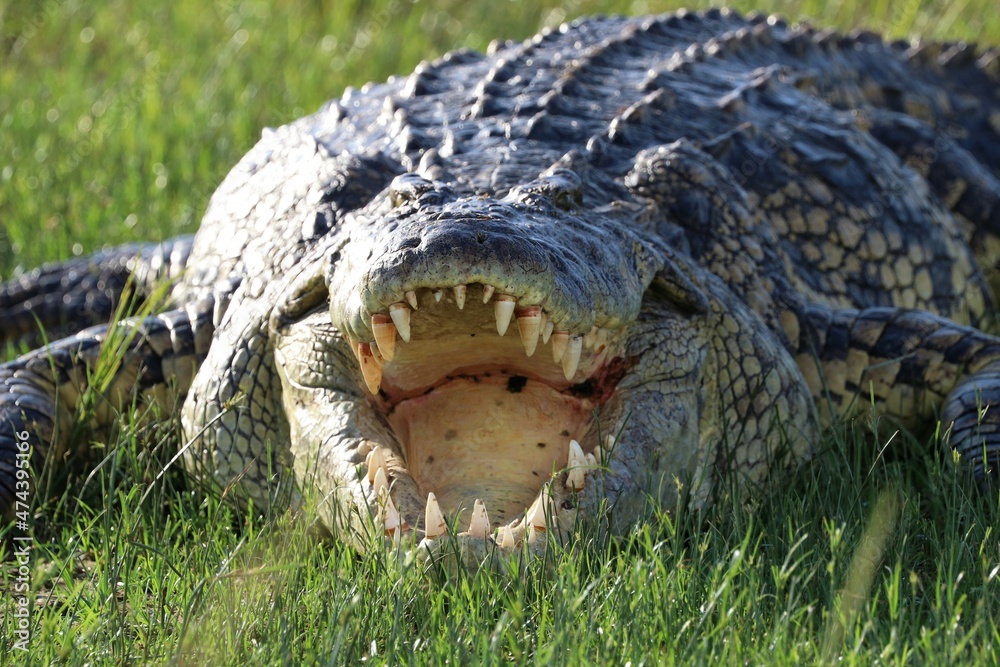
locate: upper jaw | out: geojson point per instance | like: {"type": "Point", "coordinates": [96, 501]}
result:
{"type": "Point", "coordinates": [583, 268]}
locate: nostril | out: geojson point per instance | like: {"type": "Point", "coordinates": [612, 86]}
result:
{"type": "Point", "coordinates": [480, 237]}
{"type": "Point", "coordinates": [411, 242]}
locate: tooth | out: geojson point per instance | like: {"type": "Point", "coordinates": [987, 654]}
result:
{"type": "Point", "coordinates": [411, 298]}
{"type": "Point", "coordinates": [571, 359]}
{"type": "Point", "coordinates": [590, 338]}
{"type": "Point", "coordinates": [529, 323]}
{"type": "Point", "coordinates": [437, 295]}
{"type": "Point", "coordinates": [390, 517]}
{"type": "Point", "coordinates": [534, 532]}
{"type": "Point", "coordinates": [547, 329]}
{"type": "Point", "coordinates": [559, 341]}
{"type": "Point", "coordinates": [459, 291]}
{"type": "Point", "coordinates": [503, 308]}
{"type": "Point", "coordinates": [480, 524]}
{"type": "Point", "coordinates": [506, 536]}
{"type": "Point", "coordinates": [381, 482]}
{"type": "Point", "coordinates": [385, 335]}
{"type": "Point", "coordinates": [434, 520]}
{"type": "Point", "coordinates": [577, 465]}
{"type": "Point", "coordinates": [370, 369]}
{"type": "Point", "coordinates": [536, 514]}
{"type": "Point", "coordinates": [576, 455]}
{"type": "Point", "coordinates": [488, 292]}
{"type": "Point", "coordinates": [400, 314]}
{"type": "Point", "coordinates": [376, 353]}
{"type": "Point", "coordinates": [591, 460]}
{"type": "Point", "coordinates": [375, 460]}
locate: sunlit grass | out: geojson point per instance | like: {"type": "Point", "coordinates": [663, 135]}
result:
{"type": "Point", "coordinates": [118, 121]}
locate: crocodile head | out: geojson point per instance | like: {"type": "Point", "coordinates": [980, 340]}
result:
{"type": "Point", "coordinates": [494, 367]}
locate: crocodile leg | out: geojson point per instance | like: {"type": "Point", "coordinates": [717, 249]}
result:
{"type": "Point", "coordinates": [85, 291]}
{"type": "Point", "coordinates": [40, 391]}
{"type": "Point", "coordinates": [908, 365]}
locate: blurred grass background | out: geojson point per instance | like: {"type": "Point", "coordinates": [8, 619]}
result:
{"type": "Point", "coordinates": [118, 119]}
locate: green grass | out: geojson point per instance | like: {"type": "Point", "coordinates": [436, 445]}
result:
{"type": "Point", "coordinates": [116, 125]}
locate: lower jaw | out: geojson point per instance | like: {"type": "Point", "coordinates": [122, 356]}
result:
{"type": "Point", "coordinates": [479, 439]}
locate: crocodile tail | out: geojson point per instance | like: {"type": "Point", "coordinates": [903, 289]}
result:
{"type": "Point", "coordinates": [910, 366]}
{"type": "Point", "coordinates": [68, 296]}
{"type": "Point", "coordinates": [91, 377]}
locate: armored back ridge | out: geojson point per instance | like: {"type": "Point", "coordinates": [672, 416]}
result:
{"type": "Point", "coordinates": [610, 264]}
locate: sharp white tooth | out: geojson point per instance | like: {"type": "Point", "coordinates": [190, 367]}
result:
{"type": "Point", "coordinates": [370, 369]}
{"type": "Point", "coordinates": [437, 295]}
{"type": "Point", "coordinates": [529, 324]}
{"type": "Point", "coordinates": [503, 308]}
{"type": "Point", "coordinates": [390, 517]}
{"type": "Point", "coordinates": [376, 353]}
{"type": "Point", "coordinates": [385, 335]}
{"type": "Point", "coordinates": [559, 341]}
{"type": "Point", "coordinates": [536, 513]}
{"type": "Point", "coordinates": [381, 482]}
{"type": "Point", "coordinates": [400, 314]}
{"type": "Point", "coordinates": [547, 329]}
{"type": "Point", "coordinates": [591, 460]}
{"type": "Point", "coordinates": [459, 291]}
{"type": "Point", "coordinates": [571, 358]}
{"type": "Point", "coordinates": [374, 461]}
{"type": "Point", "coordinates": [488, 293]}
{"type": "Point", "coordinates": [433, 518]}
{"type": "Point", "coordinates": [590, 338]}
{"type": "Point", "coordinates": [411, 298]}
{"type": "Point", "coordinates": [577, 465]}
{"type": "Point", "coordinates": [506, 538]}
{"type": "Point", "coordinates": [576, 455]}
{"type": "Point", "coordinates": [480, 524]}
{"type": "Point", "coordinates": [541, 510]}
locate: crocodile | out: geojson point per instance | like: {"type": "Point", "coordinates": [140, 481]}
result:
{"type": "Point", "coordinates": [628, 260]}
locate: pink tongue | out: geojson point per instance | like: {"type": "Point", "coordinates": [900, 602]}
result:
{"type": "Point", "coordinates": [489, 439]}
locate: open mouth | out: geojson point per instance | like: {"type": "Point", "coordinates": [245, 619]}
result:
{"type": "Point", "coordinates": [493, 412]}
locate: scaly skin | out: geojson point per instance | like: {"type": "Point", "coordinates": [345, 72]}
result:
{"type": "Point", "coordinates": [683, 242]}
